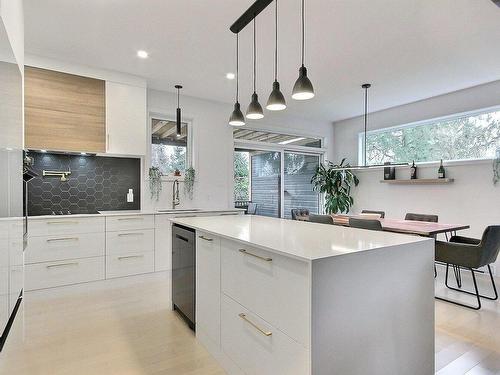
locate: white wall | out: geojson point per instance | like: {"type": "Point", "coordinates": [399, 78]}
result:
{"type": "Point", "coordinates": [11, 12]}
{"type": "Point", "coordinates": [213, 147]}
{"type": "Point", "coordinates": [471, 199]}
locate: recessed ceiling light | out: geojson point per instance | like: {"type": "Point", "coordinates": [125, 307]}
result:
{"type": "Point", "coordinates": [230, 76]}
{"type": "Point", "coordinates": [142, 54]}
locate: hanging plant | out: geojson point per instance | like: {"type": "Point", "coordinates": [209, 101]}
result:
{"type": "Point", "coordinates": [155, 183]}
{"type": "Point", "coordinates": [496, 167]}
{"type": "Point", "coordinates": [189, 182]}
{"type": "Point", "coordinates": [336, 185]}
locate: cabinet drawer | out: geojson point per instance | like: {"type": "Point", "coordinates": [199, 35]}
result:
{"type": "Point", "coordinates": [51, 274]}
{"type": "Point", "coordinates": [132, 264]}
{"type": "Point", "coordinates": [130, 241]}
{"type": "Point", "coordinates": [256, 346]}
{"type": "Point", "coordinates": [67, 225]}
{"type": "Point", "coordinates": [273, 286]}
{"type": "Point", "coordinates": [55, 248]}
{"type": "Point", "coordinates": [116, 223]}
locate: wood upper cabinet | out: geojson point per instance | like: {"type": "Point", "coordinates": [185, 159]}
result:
{"type": "Point", "coordinates": [64, 112]}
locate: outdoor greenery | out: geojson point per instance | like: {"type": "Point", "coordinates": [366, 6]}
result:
{"type": "Point", "coordinates": [336, 184]}
{"type": "Point", "coordinates": [241, 176]}
{"type": "Point", "coordinates": [496, 167]}
{"type": "Point", "coordinates": [168, 158]}
{"type": "Point", "coordinates": [467, 137]}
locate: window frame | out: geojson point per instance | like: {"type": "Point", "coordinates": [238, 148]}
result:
{"type": "Point", "coordinates": [189, 151]}
{"type": "Point", "coordinates": [454, 116]}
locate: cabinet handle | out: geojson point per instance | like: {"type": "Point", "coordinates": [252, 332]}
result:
{"type": "Point", "coordinates": [228, 214]}
{"type": "Point", "coordinates": [266, 259]}
{"type": "Point", "coordinates": [63, 239]}
{"type": "Point", "coordinates": [265, 333]}
{"type": "Point", "coordinates": [63, 222]}
{"type": "Point", "coordinates": [62, 265]}
{"type": "Point", "coordinates": [131, 257]}
{"type": "Point", "coordinates": [130, 234]}
{"type": "Point", "coordinates": [206, 238]}
{"type": "Point", "coordinates": [130, 218]}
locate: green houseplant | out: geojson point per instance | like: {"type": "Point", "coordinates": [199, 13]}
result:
{"type": "Point", "coordinates": [496, 167]}
{"type": "Point", "coordinates": [189, 181]}
{"type": "Point", "coordinates": [336, 184]}
{"type": "Point", "coordinates": [155, 183]}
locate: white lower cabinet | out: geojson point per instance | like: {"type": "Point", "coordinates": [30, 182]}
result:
{"type": "Point", "coordinates": [208, 285]}
{"type": "Point", "coordinates": [163, 243]}
{"type": "Point", "coordinates": [256, 346]}
{"type": "Point", "coordinates": [51, 274]}
{"type": "Point", "coordinates": [129, 264]}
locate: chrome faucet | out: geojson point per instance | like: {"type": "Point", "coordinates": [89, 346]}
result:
{"type": "Point", "coordinates": [175, 194]}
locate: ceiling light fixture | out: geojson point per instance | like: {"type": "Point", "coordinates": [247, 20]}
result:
{"type": "Point", "coordinates": [254, 110]}
{"type": "Point", "coordinates": [142, 54]}
{"type": "Point", "coordinates": [230, 75]}
{"type": "Point", "coordinates": [276, 101]}
{"type": "Point", "coordinates": [303, 88]}
{"type": "Point", "coordinates": [237, 118]}
{"type": "Point", "coordinates": [178, 117]}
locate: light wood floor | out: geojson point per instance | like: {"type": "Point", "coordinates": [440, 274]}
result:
{"type": "Point", "coordinates": [126, 328]}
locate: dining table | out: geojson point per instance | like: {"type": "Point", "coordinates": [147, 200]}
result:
{"type": "Point", "coordinates": [419, 228]}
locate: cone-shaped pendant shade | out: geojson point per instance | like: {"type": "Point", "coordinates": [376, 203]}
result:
{"type": "Point", "coordinates": [303, 88]}
{"type": "Point", "coordinates": [276, 101]}
{"type": "Point", "coordinates": [254, 110]}
{"type": "Point", "coordinates": [237, 118]}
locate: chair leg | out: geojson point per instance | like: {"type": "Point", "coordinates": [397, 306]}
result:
{"type": "Point", "coordinates": [472, 293]}
{"type": "Point", "coordinates": [458, 276]}
{"type": "Point", "coordinates": [478, 297]}
{"type": "Point", "coordinates": [435, 271]}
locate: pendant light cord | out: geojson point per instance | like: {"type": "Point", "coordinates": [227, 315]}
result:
{"type": "Point", "coordinates": [178, 92]}
{"type": "Point", "coordinates": [254, 56]}
{"type": "Point", "coordinates": [237, 67]}
{"type": "Point", "coordinates": [366, 121]}
{"type": "Point", "coordinates": [276, 43]}
{"type": "Point", "coordinates": [303, 32]}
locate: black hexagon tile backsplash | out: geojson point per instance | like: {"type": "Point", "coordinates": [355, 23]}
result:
{"type": "Point", "coordinates": [96, 183]}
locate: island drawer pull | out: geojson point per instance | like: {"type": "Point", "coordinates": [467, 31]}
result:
{"type": "Point", "coordinates": [266, 259]}
{"type": "Point", "coordinates": [130, 218]}
{"type": "Point", "coordinates": [244, 317]}
{"type": "Point", "coordinates": [206, 238]}
{"type": "Point", "coordinates": [131, 257]}
{"type": "Point", "coordinates": [131, 234]}
{"type": "Point", "coordinates": [229, 214]}
{"type": "Point", "coordinates": [62, 265]}
{"type": "Point", "coordinates": [63, 239]}
{"type": "Point", "coordinates": [62, 222]}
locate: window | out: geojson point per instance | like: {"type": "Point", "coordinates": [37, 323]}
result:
{"type": "Point", "coordinates": [262, 136]}
{"type": "Point", "coordinates": [169, 152]}
{"type": "Point", "coordinates": [461, 137]}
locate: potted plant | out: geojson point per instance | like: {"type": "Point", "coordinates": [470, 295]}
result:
{"type": "Point", "coordinates": [336, 184]}
{"type": "Point", "coordinates": [189, 181]}
{"type": "Point", "coordinates": [155, 183]}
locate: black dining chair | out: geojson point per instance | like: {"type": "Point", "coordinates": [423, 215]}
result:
{"type": "Point", "coordinates": [301, 214]}
{"type": "Point", "coordinates": [252, 209]}
{"type": "Point", "coordinates": [370, 224]}
{"type": "Point", "coordinates": [471, 254]}
{"type": "Point", "coordinates": [381, 213]}
{"type": "Point", "coordinates": [422, 217]}
{"type": "Point", "coordinates": [322, 219]}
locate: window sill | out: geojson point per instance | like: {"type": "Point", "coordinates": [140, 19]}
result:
{"type": "Point", "coordinates": [171, 178]}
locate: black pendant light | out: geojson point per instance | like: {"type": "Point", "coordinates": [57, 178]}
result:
{"type": "Point", "coordinates": [276, 101]}
{"type": "Point", "coordinates": [303, 88]}
{"type": "Point", "coordinates": [365, 87]}
{"type": "Point", "coordinates": [178, 117]}
{"type": "Point", "coordinates": [254, 110]}
{"type": "Point", "coordinates": [237, 118]}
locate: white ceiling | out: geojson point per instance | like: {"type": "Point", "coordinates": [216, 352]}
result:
{"type": "Point", "coordinates": [408, 49]}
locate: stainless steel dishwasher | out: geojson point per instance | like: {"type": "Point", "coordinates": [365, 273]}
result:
{"type": "Point", "coordinates": [183, 272]}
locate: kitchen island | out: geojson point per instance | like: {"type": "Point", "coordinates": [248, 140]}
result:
{"type": "Point", "coordinates": [276, 296]}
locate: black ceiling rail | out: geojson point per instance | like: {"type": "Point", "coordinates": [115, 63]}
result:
{"type": "Point", "coordinates": [249, 15]}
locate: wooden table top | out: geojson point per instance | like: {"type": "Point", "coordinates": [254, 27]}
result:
{"type": "Point", "coordinates": [421, 228]}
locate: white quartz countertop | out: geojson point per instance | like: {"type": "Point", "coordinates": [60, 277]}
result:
{"type": "Point", "coordinates": [177, 212]}
{"type": "Point", "coordinates": [298, 239]}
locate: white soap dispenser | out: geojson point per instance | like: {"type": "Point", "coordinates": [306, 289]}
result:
{"type": "Point", "coordinates": [130, 196]}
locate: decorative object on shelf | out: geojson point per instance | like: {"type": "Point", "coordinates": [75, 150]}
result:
{"type": "Point", "coordinates": [303, 88]}
{"type": "Point", "coordinates": [276, 101]}
{"type": "Point", "coordinates": [413, 171]}
{"type": "Point", "coordinates": [254, 110]}
{"type": "Point", "coordinates": [496, 167]}
{"type": "Point", "coordinates": [177, 173]}
{"type": "Point", "coordinates": [189, 181]}
{"type": "Point", "coordinates": [155, 183]}
{"type": "Point", "coordinates": [365, 87]}
{"type": "Point", "coordinates": [237, 118]}
{"type": "Point", "coordinates": [441, 171]}
{"type": "Point", "coordinates": [335, 181]}
{"type": "Point", "coordinates": [178, 116]}
{"type": "Point", "coordinates": [389, 172]}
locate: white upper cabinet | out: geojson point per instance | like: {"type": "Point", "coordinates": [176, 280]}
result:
{"type": "Point", "coordinates": [125, 119]}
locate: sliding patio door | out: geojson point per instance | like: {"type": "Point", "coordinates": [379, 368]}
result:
{"type": "Point", "coordinates": [265, 182]}
{"type": "Point", "coordinates": [298, 169]}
